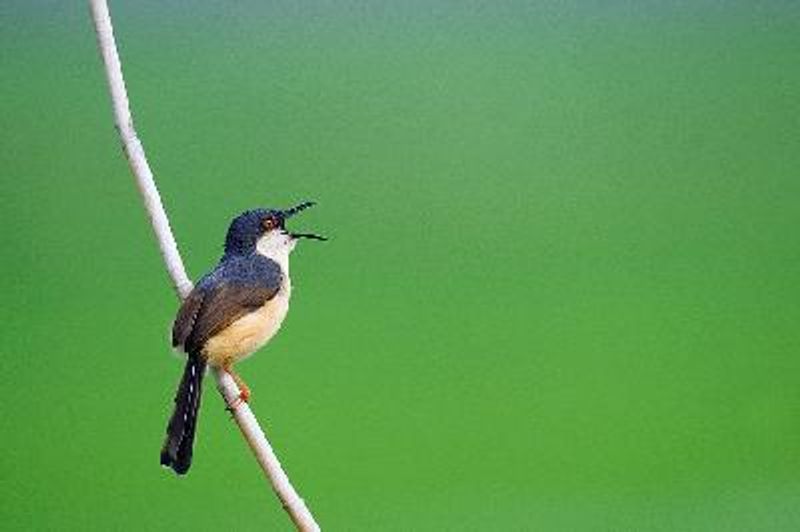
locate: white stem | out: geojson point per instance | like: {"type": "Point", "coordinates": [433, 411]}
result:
{"type": "Point", "coordinates": [134, 151]}
{"type": "Point", "coordinates": [257, 440]}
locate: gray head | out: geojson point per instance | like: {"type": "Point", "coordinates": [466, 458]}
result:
{"type": "Point", "coordinates": [265, 225]}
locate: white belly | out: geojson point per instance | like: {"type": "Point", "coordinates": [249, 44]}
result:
{"type": "Point", "coordinates": [250, 332]}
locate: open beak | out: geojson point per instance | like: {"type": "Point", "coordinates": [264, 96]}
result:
{"type": "Point", "coordinates": [288, 213]}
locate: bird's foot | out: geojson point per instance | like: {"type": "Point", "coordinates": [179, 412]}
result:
{"type": "Point", "coordinates": [244, 391]}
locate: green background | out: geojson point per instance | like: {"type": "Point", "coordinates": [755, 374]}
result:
{"type": "Point", "coordinates": [561, 291]}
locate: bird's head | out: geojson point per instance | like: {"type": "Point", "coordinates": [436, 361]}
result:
{"type": "Point", "coordinates": [264, 231]}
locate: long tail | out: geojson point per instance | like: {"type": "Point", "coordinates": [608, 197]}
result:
{"type": "Point", "coordinates": [177, 450]}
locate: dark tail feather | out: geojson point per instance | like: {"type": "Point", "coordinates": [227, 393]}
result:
{"type": "Point", "coordinates": [177, 450]}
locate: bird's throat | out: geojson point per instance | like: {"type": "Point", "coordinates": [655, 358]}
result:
{"type": "Point", "coordinates": [276, 246]}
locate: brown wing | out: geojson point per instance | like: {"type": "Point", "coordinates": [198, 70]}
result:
{"type": "Point", "coordinates": [221, 306]}
{"type": "Point", "coordinates": [184, 321]}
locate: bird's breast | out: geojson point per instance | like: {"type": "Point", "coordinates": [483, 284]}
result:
{"type": "Point", "coordinates": [250, 332]}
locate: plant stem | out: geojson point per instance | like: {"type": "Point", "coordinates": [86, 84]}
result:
{"type": "Point", "coordinates": [134, 152]}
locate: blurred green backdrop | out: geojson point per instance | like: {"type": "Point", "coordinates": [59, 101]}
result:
{"type": "Point", "coordinates": [561, 291]}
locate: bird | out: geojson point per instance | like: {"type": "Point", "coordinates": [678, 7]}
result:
{"type": "Point", "coordinates": [231, 312]}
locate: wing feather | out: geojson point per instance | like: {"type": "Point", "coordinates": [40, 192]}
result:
{"type": "Point", "coordinates": [187, 314]}
{"type": "Point", "coordinates": [234, 289]}
{"type": "Point", "coordinates": [222, 306]}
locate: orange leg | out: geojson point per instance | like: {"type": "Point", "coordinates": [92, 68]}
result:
{"type": "Point", "coordinates": [244, 390]}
